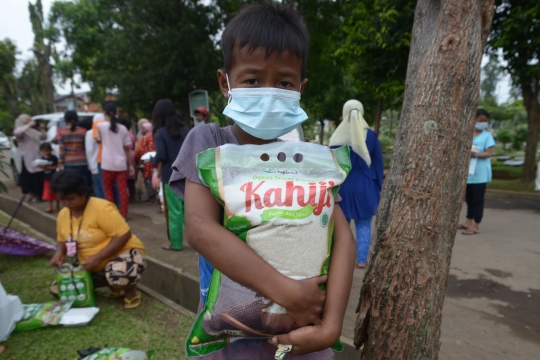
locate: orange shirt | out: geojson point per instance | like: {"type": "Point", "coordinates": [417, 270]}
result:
{"type": "Point", "coordinates": [95, 135]}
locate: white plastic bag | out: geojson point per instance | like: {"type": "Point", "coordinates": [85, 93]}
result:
{"type": "Point", "coordinates": [11, 311]}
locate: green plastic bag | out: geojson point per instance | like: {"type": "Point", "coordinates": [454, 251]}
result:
{"type": "Point", "coordinates": [75, 284]}
{"type": "Point", "coordinates": [279, 198]}
{"type": "Point", "coordinates": [41, 315]}
{"type": "Point", "coordinates": [120, 354]}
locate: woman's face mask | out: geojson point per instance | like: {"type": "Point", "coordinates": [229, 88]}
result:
{"type": "Point", "coordinates": [481, 126]}
{"type": "Point", "coordinates": [265, 113]}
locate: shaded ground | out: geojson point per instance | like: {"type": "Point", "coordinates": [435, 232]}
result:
{"type": "Point", "coordinates": [492, 306]}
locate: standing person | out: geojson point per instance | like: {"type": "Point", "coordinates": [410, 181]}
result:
{"type": "Point", "coordinates": [92, 150]}
{"type": "Point", "coordinates": [132, 178]}
{"type": "Point", "coordinates": [71, 141]}
{"type": "Point", "coordinates": [48, 171]}
{"type": "Point", "coordinates": [264, 46]}
{"type": "Point", "coordinates": [147, 145]}
{"type": "Point", "coordinates": [115, 156]}
{"type": "Point", "coordinates": [28, 140]}
{"type": "Point", "coordinates": [361, 191]}
{"type": "Point", "coordinates": [201, 116]}
{"type": "Point", "coordinates": [168, 140]}
{"type": "Point", "coordinates": [479, 175]}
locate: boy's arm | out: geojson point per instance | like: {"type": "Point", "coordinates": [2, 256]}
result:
{"type": "Point", "coordinates": [338, 289]}
{"type": "Point", "coordinates": [303, 300]}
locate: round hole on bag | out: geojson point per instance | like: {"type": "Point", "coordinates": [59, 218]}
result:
{"type": "Point", "coordinates": [298, 158]}
{"type": "Point", "coordinates": [281, 156]}
{"type": "Point", "coordinates": [265, 157]}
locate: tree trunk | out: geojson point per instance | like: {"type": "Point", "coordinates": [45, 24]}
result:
{"type": "Point", "coordinates": [378, 115]}
{"type": "Point", "coordinates": [402, 297]}
{"type": "Point", "coordinates": [391, 121]}
{"type": "Point", "coordinates": [321, 133]}
{"type": "Point", "coordinates": [530, 98]}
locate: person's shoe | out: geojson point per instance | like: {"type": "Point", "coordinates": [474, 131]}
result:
{"type": "Point", "coordinates": [134, 302]}
{"type": "Point", "coordinates": [168, 247]}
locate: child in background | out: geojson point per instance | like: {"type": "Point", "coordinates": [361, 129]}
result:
{"type": "Point", "coordinates": [264, 46]}
{"type": "Point", "coordinates": [46, 152]}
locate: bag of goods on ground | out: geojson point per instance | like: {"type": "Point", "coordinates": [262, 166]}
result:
{"type": "Point", "coordinates": [75, 284]}
{"type": "Point", "coordinates": [119, 354]}
{"type": "Point", "coordinates": [279, 198]}
{"type": "Point", "coordinates": [41, 315]}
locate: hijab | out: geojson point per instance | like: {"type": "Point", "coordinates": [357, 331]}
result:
{"type": "Point", "coordinates": [32, 133]}
{"type": "Point", "coordinates": [353, 130]}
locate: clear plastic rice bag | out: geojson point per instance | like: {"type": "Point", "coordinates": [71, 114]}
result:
{"type": "Point", "coordinates": [279, 198]}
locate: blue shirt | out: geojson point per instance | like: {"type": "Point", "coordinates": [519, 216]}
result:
{"type": "Point", "coordinates": [482, 173]}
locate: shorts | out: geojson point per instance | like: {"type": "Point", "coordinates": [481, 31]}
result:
{"type": "Point", "coordinates": [47, 193]}
{"type": "Point", "coordinates": [125, 269]}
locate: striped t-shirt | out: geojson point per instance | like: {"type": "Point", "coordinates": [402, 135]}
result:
{"type": "Point", "coordinates": [71, 146]}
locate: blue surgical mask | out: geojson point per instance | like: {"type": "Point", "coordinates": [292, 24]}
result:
{"type": "Point", "coordinates": [265, 113]}
{"type": "Point", "coordinates": [481, 126]}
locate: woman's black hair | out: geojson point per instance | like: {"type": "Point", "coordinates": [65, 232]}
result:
{"type": "Point", "coordinates": [125, 122]}
{"type": "Point", "coordinates": [71, 117]}
{"type": "Point", "coordinates": [109, 108]}
{"type": "Point", "coordinates": [164, 114]}
{"type": "Point", "coordinates": [45, 145]}
{"type": "Point", "coordinates": [270, 26]}
{"type": "Point", "coordinates": [69, 181]}
{"type": "Point", "coordinates": [480, 112]}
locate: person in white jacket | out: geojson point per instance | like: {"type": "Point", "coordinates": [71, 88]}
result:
{"type": "Point", "coordinates": [92, 149]}
{"type": "Point", "coordinates": [537, 182]}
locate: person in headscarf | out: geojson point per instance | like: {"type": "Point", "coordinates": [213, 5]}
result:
{"type": "Point", "coordinates": [31, 178]}
{"type": "Point", "coordinates": [361, 191]}
{"type": "Point", "coordinates": [140, 127]}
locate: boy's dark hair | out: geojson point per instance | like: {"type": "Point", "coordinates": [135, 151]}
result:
{"type": "Point", "coordinates": [110, 110]}
{"type": "Point", "coordinates": [67, 182]}
{"type": "Point", "coordinates": [164, 114]}
{"type": "Point", "coordinates": [45, 145]}
{"type": "Point", "coordinates": [125, 122]}
{"type": "Point", "coordinates": [71, 117]}
{"type": "Point", "coordinates": [482, 112]}
{"type": "Point", "coordinates": [271, 26]}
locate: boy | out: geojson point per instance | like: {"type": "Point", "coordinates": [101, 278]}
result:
{"type": "Point", "coordinates": [201, 116]}
{"type": "Point", "coordinates": [46, 152]}
{"type": "Point", "coordinates": [265, 46]}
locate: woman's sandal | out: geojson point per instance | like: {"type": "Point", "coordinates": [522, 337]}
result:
{"type": "Point", "coordinates": [129, 303]}
{"type": "Point", "coordinates": [168, 247]}
{"type": "Point", "coordinates": [462, 227]}
{"type": "Point", "coordinates": [114, 295]}
{"type": "Point", "coordinates": [470, 232]}
{"type": "Point", "coordinates": [361, 266]}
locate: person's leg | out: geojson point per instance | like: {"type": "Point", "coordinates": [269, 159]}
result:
{"type": "Point", "coordinates": [123, 273]}
{"type": "Point", "coordinates": [108, 181]}
{"type": "Point", "coordinates": [477, 208]}
{"type": "Point", "coordinates": [98, 185]}
{"type": "Point", "coordinates": [121, 181]}
{"type": "Point", "coordinates": [469, 193]}
{"type": "Point", "coordinates": [174, 212]}
{"type": "Point", "coordinates": [116, 194]}
{"type": "Point", "coordinates": [363, 240]}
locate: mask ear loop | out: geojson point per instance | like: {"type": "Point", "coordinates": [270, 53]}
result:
{"type": "Point", "coordinates": [229, 87]}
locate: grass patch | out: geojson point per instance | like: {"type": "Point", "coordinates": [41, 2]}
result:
{"type": "Point", "coordinates": [513, 185]}
{"type": "Point", "coordinates": [153, 325]}
{"type": "Point", "coordinates": [503, 172]}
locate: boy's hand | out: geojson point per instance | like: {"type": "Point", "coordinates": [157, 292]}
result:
{"type": "Point", "coordinates": [305, 302]}
{"type": "Point", "coordinates": [308, 339]}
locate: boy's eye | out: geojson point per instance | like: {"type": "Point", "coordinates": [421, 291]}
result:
{"type": "Point", "coordinates": [285, 84]}
{"type": "Point", "coordinates": [251, 82]}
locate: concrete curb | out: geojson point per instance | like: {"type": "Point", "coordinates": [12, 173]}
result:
{"type": "Point", "coordinates": [168, 284]}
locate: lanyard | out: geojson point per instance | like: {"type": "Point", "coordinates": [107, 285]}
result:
{"type": "Point", "coordinates": [71, 244]}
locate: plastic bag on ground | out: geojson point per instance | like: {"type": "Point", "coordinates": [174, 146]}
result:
{"type": "Point", "coordinates": [120, 354]}
{"type": "Point", "coordinates": [42, 315]}
{"type": "Point", "coordinates": [11, 311]}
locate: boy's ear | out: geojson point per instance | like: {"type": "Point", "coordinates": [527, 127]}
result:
{"type": "Point", "coordinates": [222, 80]}
{"type": "Point", "coordinates": [304, 84]}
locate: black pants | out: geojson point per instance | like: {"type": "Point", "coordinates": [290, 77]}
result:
{"type": "Point", "coordinates": [474, 196]}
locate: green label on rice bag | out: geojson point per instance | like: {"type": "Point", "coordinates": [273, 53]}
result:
{"type": "Point", "coordinates": [41, 315]}
{"type": "Point", "coordinates": [75, 285]}
{"type": "Point", "coordinates": [120, 354]}
{"type": "Point", "coordinates": [279, 198]}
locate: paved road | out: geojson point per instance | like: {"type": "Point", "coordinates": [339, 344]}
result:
{"type": "Point", "coordinates": [492, 308]}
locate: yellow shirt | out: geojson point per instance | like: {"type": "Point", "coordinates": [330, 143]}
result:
{"type": "Point", "coordinates": [101, 222]}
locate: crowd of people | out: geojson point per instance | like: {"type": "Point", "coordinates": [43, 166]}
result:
{"type": "Point", "coordinates": [107, 162]}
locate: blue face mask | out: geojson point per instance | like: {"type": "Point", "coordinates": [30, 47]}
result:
{"type": "Point", "coordinates": [481, 126]}
{"type": "Point", "coordinates": [265, 113]}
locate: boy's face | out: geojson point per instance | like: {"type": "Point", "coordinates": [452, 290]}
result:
{"type": "Point", "coordinates": [199, 116]}
{"type": "Point", "coordinates": [253, 70]}
{"type": "Point", "coordinates": [46, 152]}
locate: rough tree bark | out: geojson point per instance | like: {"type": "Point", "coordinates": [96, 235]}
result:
{"type": "Point", "coordinates": [404, 286]}
{"type": "Point", "coordinates": [530, 92]}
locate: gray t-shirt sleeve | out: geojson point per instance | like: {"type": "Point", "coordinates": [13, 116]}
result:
{"type": "Point", "coordinates": [199, 139]}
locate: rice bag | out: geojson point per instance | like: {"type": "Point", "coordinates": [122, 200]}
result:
{"type": "Point", "coordinates": [120, 354]}
{"type": "Point", "coordinates": [279, 198]}
{"type": "Point", "coordinates": [75, 284]}
{"type": "Point", "coordinates": [41, 315]}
